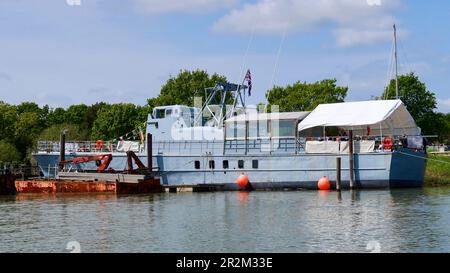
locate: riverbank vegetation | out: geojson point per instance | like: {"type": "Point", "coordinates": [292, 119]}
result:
{"type": "Point", "coordinates": [438, 171]}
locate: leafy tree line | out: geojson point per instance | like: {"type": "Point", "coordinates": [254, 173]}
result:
{"type": "Point", "coordinates": [422, 105]}
{"type": "Point", "coordinates": [21, 126]}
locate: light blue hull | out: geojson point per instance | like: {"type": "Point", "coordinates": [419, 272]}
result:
{"type": "Point", "coordinates": [297, 171]}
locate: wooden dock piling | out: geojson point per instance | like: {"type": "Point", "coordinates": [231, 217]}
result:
{"type": "Point", "coordinates": [150, 154]}
{"type": "Point", "coordinates": [62, 148]}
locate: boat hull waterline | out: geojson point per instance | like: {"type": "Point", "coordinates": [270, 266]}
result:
{"type": "Point", "coordinates": [403, 169]}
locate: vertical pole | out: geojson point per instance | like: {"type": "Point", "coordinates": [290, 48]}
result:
{"type": "Point", "coordinates": [62, 148]}
{"type": "Point", "coordinates": [338, 173]}
{"type": "Point", "coordinates": [396, 62]}
{"type": "Point", "coordinates": [129, 163]}
{"type": "Point", "coordinates": [246, 136]}
{"type": "Point", "coordinates": [350, 154]}
{"type": "Point", "coordinates": [149, 153]}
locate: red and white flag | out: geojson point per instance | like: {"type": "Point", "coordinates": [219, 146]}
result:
{"type": "Point", "coordinates": [248, 78]}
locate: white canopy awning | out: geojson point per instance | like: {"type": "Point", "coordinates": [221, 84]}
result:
{"type": "Point", "coordinates": [389, 115]}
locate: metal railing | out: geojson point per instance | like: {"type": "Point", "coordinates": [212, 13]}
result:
{"type": "Point", "coordinates": [20, 171]}
{"type": "Point", "coordinates": [83, 147]}
{"type": "Point", "coordinates": [187, 147]}
{"type": "Point", "coordinates": [288, 144]}
{"type": "Point", "coordinates": [275, 144]}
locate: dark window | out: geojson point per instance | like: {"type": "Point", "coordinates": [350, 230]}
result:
{"type": "Point", "coordinates": [197, 164]}
{"type": "Point", "coordinates": [240, 164]}
{"type": "Point", "coordinates": [225, 164]}
{"type": "Point", "coordinates": [255, 164]}
{"type": "Point", "coordinates": [160, 113]}
{"type": "Point", "coordinates": [212, 164]}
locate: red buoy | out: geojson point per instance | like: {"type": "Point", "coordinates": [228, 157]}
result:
{"type": "Point", "coordinates": [242, 181]}
{"type": "Point", "coordinates": [324, 184]}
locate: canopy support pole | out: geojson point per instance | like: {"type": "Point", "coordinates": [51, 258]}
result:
{"type": "Point", "coordinates": [381, 136]}
{"type": "Point", "coordinates": [350, 155]}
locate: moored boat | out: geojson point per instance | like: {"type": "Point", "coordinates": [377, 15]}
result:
{"type": "Point", "coordinates": [215, 144]}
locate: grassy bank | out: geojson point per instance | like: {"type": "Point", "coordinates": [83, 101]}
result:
{"type": "Point", "coordinates": [437, 173]}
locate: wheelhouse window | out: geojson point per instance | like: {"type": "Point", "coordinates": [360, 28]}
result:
{"type": "Point", "coordinates": [283, 128]}
{"type": "Point", "coordinates": [263, 129]}
{"type": "Point", "coordinates": [160, 113]}
{"type": "Point", "coordinates": [235, 130]}
{"type": "Point", "coordinates": [197, 164]}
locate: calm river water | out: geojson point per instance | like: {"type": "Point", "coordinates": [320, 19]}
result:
{"type": "Point", "coordinates": [415, 220]}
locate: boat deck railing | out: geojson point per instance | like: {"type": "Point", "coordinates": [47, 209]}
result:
{"type": "Point", "coordinates": [277, 145]}
{"type": "Point", "coordinates": [88, 147]}
{"type": "Point", "coordinates": [188, 147]}
{"type": "Point", "coordinates": [290, 145]}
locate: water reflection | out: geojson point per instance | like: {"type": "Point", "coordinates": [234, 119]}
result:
{"type": "Point", "coordinates": [305, 221]}
{"type": "Point", "coordinates": [242, 197]}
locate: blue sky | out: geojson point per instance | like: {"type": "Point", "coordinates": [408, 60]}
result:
{"type": "Point", "coordinates": [59, 53]}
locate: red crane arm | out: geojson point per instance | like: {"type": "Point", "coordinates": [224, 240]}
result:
{"type": "Point", "coordinates": [105, 161]}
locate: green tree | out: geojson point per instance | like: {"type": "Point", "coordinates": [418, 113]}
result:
{"type": "Point", "coordinates": [26, 130]}
{"type": "Point", "coordinates": [91, 114]}
{"type": "Point", "coordinates": [56, 116]}
{"type": "Point", "coordinates": [73, 132]}
{"type": "Point", "coordinates": [77, 114]}
{"type": "Point", "coordinates": [446, 132]}
{"type": "Point", "coordinates": [117, 120]}
{"type": "Point", "coordinates": [419, 101]}
{"type": "Point", "coordinates": [8, 117]}
{"type": "Point", "coordinates": [184, 87]}
{"type": "Point", "coordinates": [302, 96]}
{"type": "Point", "coordinates": [414, 94]}
{"type": "Point", "coordinates": [26, 107]}
{"type": "Point", "coordinates": [8, 152]}
{"type": "Point", "coordinates": [31, 107]}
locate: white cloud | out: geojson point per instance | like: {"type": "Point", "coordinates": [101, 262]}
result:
{"type": "Point", "coordinates": [6, 77]}
{"type": "Point", "coordinates": [191, 6]}
{"type": "Point", "coordinates": [346, 37]}
{"type": "Point", "coordinates": [444, 105]}
{"type": "Point", "coordinates": [353, 22]}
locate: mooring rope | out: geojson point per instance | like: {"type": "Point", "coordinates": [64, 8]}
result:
{"type": "Point", "coordinates": [426, 158]}
{"type": "Point", "coordinates": [174, 169]}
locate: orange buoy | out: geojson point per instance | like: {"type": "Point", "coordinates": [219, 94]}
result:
{"type": "Point", "coordinates": [242, 181]}
{"type": "Point", "coordinates": [324, 184]}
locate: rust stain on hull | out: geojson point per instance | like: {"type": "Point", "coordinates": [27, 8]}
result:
{"type": "Point", "coordinates": [37, 186]}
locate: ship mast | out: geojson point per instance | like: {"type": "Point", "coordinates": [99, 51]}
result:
{"type": "Point", "coordinates": [396, 62]}
{"type": "Point", "coordinates": [221, 90]}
